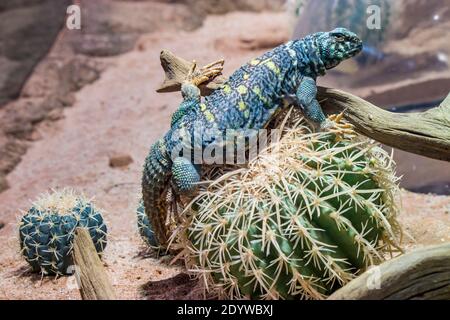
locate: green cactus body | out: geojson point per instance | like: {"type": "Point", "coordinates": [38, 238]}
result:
{"type": "Point", "coordinates": [144, 227]}
{"type": "Point", "coordinates": [302, 220]}
{"type": "Point", "coordinates": [47, 231]}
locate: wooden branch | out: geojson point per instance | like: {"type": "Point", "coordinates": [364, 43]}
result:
{"type": "Point", "coordinates": [420, 274]}
{"type": "Point", "coordinates": [94, 282]}
{"type": "Point", "coordinates": [176, 70]}
{"type": "Point", "coordinates": [424, 133]}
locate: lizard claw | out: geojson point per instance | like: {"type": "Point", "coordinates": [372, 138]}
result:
{"type": "Point", "coordinates": [336, 117]}
{"type": "Point", "coordinates": [334, 125]}
{"type": "Point", "coordinates": [192, 70]}
{"type": "Point", "coordinates": [205, 73]}
{"type": "Point", "coordinates": [220, 63]}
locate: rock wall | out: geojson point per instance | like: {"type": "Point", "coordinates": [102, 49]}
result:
{"type": "Point", "coordinates": [28, 30]}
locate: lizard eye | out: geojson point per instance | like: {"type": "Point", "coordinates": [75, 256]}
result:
{"type": "Point", "coordinates": [339, 38]}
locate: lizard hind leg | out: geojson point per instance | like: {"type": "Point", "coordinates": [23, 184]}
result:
{"type": "Point", "coordinates": [185, 176]}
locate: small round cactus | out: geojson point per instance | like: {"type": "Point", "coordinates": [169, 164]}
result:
{"type": "Point", "coordinates": [47, 230]}
{"type": "Point", "coordinates": [303, 219]}
{"type": "Point", "coordinates": [144, 227]}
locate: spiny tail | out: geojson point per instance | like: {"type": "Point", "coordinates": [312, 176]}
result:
{"type": "Point", "coordinates": [155, 179]}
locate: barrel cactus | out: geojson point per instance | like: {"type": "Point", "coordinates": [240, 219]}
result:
{"type": "Point", "coordinates": [47, 230]}
{"type": "Point", "coordinates": [144, 227]}
{"type": "Point", "coordinates": [301, 220]}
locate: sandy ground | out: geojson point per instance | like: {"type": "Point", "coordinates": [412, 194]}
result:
{"type": "Point", "coordinates": [122, 113]}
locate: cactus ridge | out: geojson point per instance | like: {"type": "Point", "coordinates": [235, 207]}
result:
{"type": "Point", "coordinates": [303, 219]}
{"type": "Point", "coordinates": [145, 227]}
{"type": "Point", "coordinates": [47, 230]}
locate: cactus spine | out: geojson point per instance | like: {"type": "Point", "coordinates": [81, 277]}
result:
{"type": "Point", "coordinates": [47, 230]}
{"type": "Point", "coordinates": [303, 219]}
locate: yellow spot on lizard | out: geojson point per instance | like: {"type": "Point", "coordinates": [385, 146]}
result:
{"type": "Point", "coordinates": [209, 116]}
{"type": "Point", "coordinates": [246, 76]}
{"type": "Point", "coordinates": [255, 62]}
{"type": "Point", "coordinates": [242, 105]}
{"type": "Point", "coordinates": [272, 66]}
{"type": "Point", "coordinates": [202, 107]}
{"type": "Point", "coordinates": [242, 89]}
{"type": "Point", "coordinates": [257, 91]}
{"type": "Point", "coordinates": [227, 89]}
{"type": "Point", "coordinates": [246, 114]}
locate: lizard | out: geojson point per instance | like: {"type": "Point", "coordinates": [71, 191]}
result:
{"type": "Point", "coordinates": [247, 100]}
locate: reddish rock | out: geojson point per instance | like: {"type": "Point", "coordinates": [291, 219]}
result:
{"type": "Point", "coordinates": [68, 99]}
{"type": "Point", "coordinates": [35, 136]}
{"type": "Point", "coordinates": [55, 114]}
{"type": "Point", "coordinates": [120, 160]}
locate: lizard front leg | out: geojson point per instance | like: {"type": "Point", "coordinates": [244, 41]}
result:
{"type": "Point", "coordinates": [191, 100]}
{"type": "Point", "coordinates": [186, 175]}
{"type": "Point", "coordinates": [306, 97]}
{"type": "Point", "coordinates": [189, 88]}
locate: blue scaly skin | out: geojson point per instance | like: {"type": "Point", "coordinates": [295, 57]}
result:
{"type": "Point", "coordinates": [247, 100]}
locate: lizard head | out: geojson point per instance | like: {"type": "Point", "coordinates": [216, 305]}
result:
{"type": "Point", "coordinates": [336, 46]}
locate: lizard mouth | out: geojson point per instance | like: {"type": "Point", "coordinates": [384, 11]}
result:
{"type": "Point", "coordinates": [354, 51]}
{"type": "Point", "coordinates": [358, 48]}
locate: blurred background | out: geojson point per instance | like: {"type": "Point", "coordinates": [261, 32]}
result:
{"type": "Point", "coordinates": [78, 106]}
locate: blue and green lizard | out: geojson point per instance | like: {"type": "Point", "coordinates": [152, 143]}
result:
{"type": "Point", "coordinates": [247, 100]}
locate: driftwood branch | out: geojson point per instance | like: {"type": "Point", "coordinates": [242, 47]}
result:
{"type": "Point", "coordinates": [424, 133]}
{"type": "Point", "coordinates": [176, 70]}
{"type": "Point", "coordinates": [420, 274]}
{"type": "Point", "coordinates": [93, 280]}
